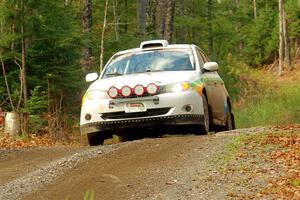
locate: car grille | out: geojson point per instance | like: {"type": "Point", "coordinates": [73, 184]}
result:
{"type": "Point", "coordinates": [148, 113]}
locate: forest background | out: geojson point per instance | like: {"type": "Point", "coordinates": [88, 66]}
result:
{"type": "Point", "coordinates": [47, 47]}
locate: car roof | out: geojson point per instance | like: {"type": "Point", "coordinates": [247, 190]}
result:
{"type": "Point", "coordinates": [171, 46]}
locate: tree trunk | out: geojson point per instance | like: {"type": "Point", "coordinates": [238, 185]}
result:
{"type": "Point", "coordinates": [102, 35]}
{"type": "Point", "coordinates": [169, 26]}
{"type": "Point", "coordinates": [159, 19]}
{"type": "Point", "coordinates": [116, 19]}
{"type": "Point", "coordinates": [287, 54]}
{"type": "Point", "coordinates": [141, 14]}
{"type": "Point", "coordinates": [87, 21]}
{"type": "Point", "coordinates": [23, 43]}
{"type": "Point", "coordinates": [254, 10]}
{"type": "Point", "coordinates": [210, 27]}
{"type": "Point", "coordinates": [281, 39]}
{"type": "Point", "coordinates": [164, 19]}
{"type": "Point", "coordinates": [126, 16]}
{"type": "Point", "coordinates": [25, 122]}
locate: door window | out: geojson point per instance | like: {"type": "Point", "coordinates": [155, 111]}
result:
{"type": "Point", "coordinates": [200, 59]}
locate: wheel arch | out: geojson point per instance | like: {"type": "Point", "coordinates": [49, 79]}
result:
{"type": "Point", "coordinates": [211, 116]}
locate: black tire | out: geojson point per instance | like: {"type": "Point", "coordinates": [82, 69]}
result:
{"type": "Point", "coordinates": [233, 121]}
{"type": "Point", "coordinates": [229, 124]}
{"type": "Point", "coordinates": [211, 121]}
{"type": "Point", "coordinates": [207, 118]}
{"type": "Point", "coordinates": [122, 138]}
{"type": "Point", "coordinates": [95, 139]}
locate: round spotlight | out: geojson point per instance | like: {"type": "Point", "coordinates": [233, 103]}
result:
{"type": "Point", "coordinates": [139, 90]}
{"type": "Point", "coordinates": [113, 92]}
{"type": "Point", "coordinates": [126, 91]}
{"type": "Point", "coordinates": [152, 88]}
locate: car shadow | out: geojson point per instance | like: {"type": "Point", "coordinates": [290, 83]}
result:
{"type": "Point", "coordinates": [137, 133]}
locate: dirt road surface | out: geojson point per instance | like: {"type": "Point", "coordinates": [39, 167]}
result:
{"type": "Point", "coordinates": [162, 168]}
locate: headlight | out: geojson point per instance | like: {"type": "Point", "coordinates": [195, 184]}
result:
{"type": "Point", "coordinates": [94, 95]}
{"type": "Point", "coordinates": [178, 87]}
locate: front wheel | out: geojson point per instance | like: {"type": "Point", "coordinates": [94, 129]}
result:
{"type": "Point", "coordinates": [206, 125]}
{"type": "Point", "coordinates": [229, 123]}
{"type": "Point", "coordinates": [95, 139]}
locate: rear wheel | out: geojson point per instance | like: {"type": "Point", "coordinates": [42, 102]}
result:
{"type": "Point", "coordinates": [95, 139]}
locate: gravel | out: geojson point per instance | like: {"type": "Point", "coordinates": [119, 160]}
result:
{"type": "Point", "coordinates": [33, 181]}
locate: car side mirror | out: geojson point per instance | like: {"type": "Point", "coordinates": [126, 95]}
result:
{"type": "Point", "coordinates": [91, 77]}
{"type": "Point", "coordinates": [211, 66]}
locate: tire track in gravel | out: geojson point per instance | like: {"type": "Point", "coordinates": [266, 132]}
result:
{"type": "Point", "coordinates": [33, 181]}
{"type": "Point", "coordinates": [17, 163]}
{"type": "Point", "coordinates": [162, 168]}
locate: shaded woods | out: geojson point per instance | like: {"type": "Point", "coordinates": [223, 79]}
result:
{"type": "Point", "coordinates": [47, 47]}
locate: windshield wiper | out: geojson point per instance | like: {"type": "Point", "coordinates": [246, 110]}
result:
{"type": "Point", "coordinates": [114, 74]}
{"type": "Point", "coordinates": [153, 70]}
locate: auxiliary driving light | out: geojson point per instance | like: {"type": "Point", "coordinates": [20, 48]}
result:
{"type": "Point", "coordinates": [126, 91]}
{"type": "Point", "coordinates": [152, 88]}
{"type": "Point", "coordinates": [139, 90]}
{"type": "Point", "coordinates": [113, 92]}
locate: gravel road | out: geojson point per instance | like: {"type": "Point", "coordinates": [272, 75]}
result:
{"type": "Point", "coordinates": [173, 167]}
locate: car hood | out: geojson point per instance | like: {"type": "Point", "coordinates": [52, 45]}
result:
{"type": "Point", "coordinates": [159, 78]}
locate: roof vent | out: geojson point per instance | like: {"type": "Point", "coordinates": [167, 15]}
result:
{"type": "Point", "coordinates": [154, 44]}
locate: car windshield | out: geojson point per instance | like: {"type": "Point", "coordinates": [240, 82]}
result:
{"type": "Point", "coordinates": [150, 61]}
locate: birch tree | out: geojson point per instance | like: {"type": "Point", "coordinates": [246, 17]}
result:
{"type": "Point", "coordinates": [281, 39]}
{"type": "Point", "coordinates": [210, 26]}
{"type": "Point", "coordinates": [254, 10]}
{"type": "Point", "coordinates": [287, 55]}
{"type": "Point", "coordinates": [284, 47]}
{"type": "Point", "coordinates": [103, 34]}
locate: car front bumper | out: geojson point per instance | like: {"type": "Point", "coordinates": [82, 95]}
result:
{"type": "Point", "coordinates": [153, 121]}
{"type": "Point", "coordinates": [162, 109]}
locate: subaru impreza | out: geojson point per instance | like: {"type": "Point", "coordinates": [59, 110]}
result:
{"type": "Point", "coordinates": [156, 84]}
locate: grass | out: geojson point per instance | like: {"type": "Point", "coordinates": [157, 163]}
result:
{"type": "Point", "coordinates": [264, 98]}
{"type": "Point", "coordinates": [231, 149]}
{"type": "Point", "coordinates": [89, 195]}
{"type": "Point", "coordinates": [279, 107]}
{"type": "Point", "coordinates": [295, 183]}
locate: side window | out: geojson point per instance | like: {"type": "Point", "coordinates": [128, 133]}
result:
{"type": "Point", "coordinates": [201, 61]}
{"type": "Point", "coordinates": [204, 57]}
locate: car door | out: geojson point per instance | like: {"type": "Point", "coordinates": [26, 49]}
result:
{"type": "Point", "coordinates": [214, 88]}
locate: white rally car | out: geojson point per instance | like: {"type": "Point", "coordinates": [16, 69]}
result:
{"type": "Point", "coordinates": [155, 84]}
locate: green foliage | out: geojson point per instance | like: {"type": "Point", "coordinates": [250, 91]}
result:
{"type": "Point", "coordinates": [261, 44]}
{"type": "Point", "coordinates": [273, 107]}
{"type": "Point", "coordinates": [52, 32]}
{"type": "Point", "coordinates": [54, 39]}
{"type": "Point", "coordinates": [38, 102]}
